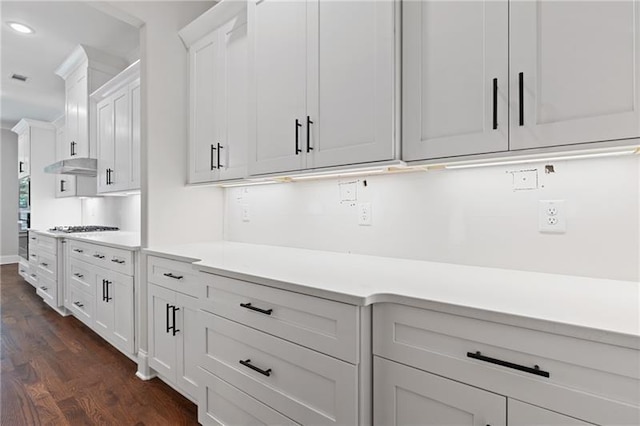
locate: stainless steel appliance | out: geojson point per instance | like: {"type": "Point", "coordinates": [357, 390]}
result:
{"type": "Point", "coordinates": [83, 228]}
{"type": "Point", "coordinates": [24, 217]}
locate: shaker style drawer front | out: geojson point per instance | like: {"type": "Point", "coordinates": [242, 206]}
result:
{"type": "Point", "coordinates": [47, 266]}
{"type": "Point", "coordinates": [222, 404]}
{"type": "Point", "coordinates": [81, 305]}
{"type": "Point", "coordinates": [47, 244]}
{"type": "Point", "coordinates": [174, 275]}
{"type": "Point", "coordinates": [111, 258]}
{"type": "Point", "coordinates": [504, 358]}
{"type": "Point", "coordinates": [326, 326]}
{"type": "Point", "coordinates": [82, 275]}
{"type": "Point", "coordinates": [304, 385]}
{"type": "Point", "coordinates": [48, 290]}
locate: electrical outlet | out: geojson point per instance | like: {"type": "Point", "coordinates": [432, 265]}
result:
{"type": "Point", "coordinates": [364, 214]}
{"type": "Point", "coordinates": [551, 217]}
{"type": "Point", "coordinates": [246, 214]}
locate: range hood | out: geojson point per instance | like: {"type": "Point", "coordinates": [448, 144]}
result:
{"type": "Point", "coordinates": [74, 166]}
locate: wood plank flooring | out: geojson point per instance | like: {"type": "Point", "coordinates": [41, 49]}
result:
{"type": "Point", "coordinates": [56, 371]}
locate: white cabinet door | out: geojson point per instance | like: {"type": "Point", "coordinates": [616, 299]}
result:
{"type": "Point", "coordinates": [279, 70]}
{"type": "Point", "coordinates": [81, 95]}
{"type": "Point", "coordinates": [351, 87]}
{"type": "Point", "coordinates": [105, 142]}
{"type": "Point", "coordinates": [162, 342]}
{"type": "Point", "coordinates": [71, 124]}
{"type": "Point", "coordinates": [61, 143]}
{"type": "Point", "coordinates": [134, 127]}
{"type": "Point", "coordinates": [405, 396]}
{"type": "Point", "coordinates": [189, 344]}
{"type": "Point", "coordinates": [206, 107]}
{"type": "Point", "coordinates": [104, 312]}
{"type": "Point", "coordinates": [455, 78]}
{"type": "Point", "coordinates": [120, 290]}
{"type": "Point", "coordinates": [65, 186]}
{"type": "Point", "coordinates": [233, 150]}
{"type": "Point", "coordinates": [24, 154]}
{"type": "Point", "coordinates": [579, 64]}
{"type": "Point", "coordinates": [521, 414]}
{"type": "Point", "coordinates": [120, 172]}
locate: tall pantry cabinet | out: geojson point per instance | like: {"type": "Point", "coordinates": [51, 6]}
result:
{"type": "Point", "coordinates": [322, 84]}
{"type": "Point", "coordinates": [492, 76]}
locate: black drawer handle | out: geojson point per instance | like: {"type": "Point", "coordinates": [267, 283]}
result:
{"type": "Point", "coordinates": [535, 370]}
{"type": "Point", "coordinates": [78, 275]}
{"type": "Point", "coordinates": [99, 256]}
{"type": "Point", "coordinates": [44, 264]}
{"type": "Point", "coordinates": [33, 255]}
{"type": "Point", "coordinates": [33, 238]}
{"type": "Point", "coordinates": [521, 99]}
{"type": "Point", "coordinates": [44, 288]}
{"type": "Point", "coordinates": [118, 261]}
{"type": "Point", "coordinates": [78, 304]}
{"type": "Point", "coordinates": [495, 103]}
{"type": "Point", "coordinates": [170, 275]}
{"type": "Point", "coordinates": [34, 275]}
{"type": "Point", "coordinates": [247, 363]}
{"type": "Point", "coordinates": [78, 251]}
{"type": "Point", "coordinates": [253, 308]}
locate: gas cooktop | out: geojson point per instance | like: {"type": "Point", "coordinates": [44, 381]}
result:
{"type": "Point", "coordinates": [85, 228]}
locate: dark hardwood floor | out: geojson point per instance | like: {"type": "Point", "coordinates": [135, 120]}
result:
{"type": "Point", "coordinates": [56, 371]}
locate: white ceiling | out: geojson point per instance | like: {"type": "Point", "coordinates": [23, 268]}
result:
{"type": "Point", "coordinates": [59, 27]}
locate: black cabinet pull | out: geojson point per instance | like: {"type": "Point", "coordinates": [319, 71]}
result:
{"type": "Point", "coordinates": [309, 123]}
{"type": "Point", "coordinates": [535, 370]}
{"type": "Point", "coordinates": [213, 148]}
{"type": "Point", "coordinates": [20, 164]}
{"type": "Point", "coordinates": [247, 363]}
{"type": "Point", "coordinates": [78, 250]}
{"type": "Point", "coordinates": [33, 238]}
{"type": "Point", "coordinates": [521, 98]}
{"type": "Point", "coordinates": [218, 151]}
{"type": "Point", "coordinates": [107, 298]}
{"type": "Point", "coordinates": [73, 148]}
{"type": "Point", "coordinates": [175, 277]}
{"type": "Point", "coordinates": [253, 308]}
{"type": "Point", "coordinates": [99, 256]}
{"type": "Point", "coordinates": [62, 182]}
{"type": "Point", "coordinates": [44, 288]}
{"type": "Point", "coordinates": [33, 255]}
{"type": "Point", "coordinates": [118, 261]}
{"type": "Point", "coordinates": [167, 317]}
{"type": "Point", "coordinates": [78, 275]}
{"type": "Point", "coordinates": [44, 264]}
{"type": "Point", "coordinates": [103, 290]}
{"type": "Point", "coordinates": [34, 275]}
{"type": "Point", "coordinates": [78, 304]}
{"type": "Point", "coordinates": [174, 309]}
{"type": "Point", "coordinates": [495, 103]}
{"type": "Point", "coordinates": [298, 125]}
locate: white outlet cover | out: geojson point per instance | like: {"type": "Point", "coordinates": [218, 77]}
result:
{"type": "Point", "coordinates": [552, 217]}
{"type": "Point", "coordinates": [364, 214]}
{"type": "Point", "coordinates": [246, 214]}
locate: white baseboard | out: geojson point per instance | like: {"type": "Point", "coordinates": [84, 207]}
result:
{"type": "Point", "coordinates": [5, 260]}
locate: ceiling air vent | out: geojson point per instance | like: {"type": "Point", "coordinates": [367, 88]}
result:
{"type": "Point", "coordinates": [22, 78]}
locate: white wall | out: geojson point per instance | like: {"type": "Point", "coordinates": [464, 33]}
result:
{"type": "Point", "coordinates": [123, 212]}
{"type": "Point", "coordinates": [470, 216]}
{"type": "Point", "coordinates": [171, 213]}
{"type": "Point", "coordinates": [8, 196]}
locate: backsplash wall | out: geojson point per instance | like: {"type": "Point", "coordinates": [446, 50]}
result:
{"type": "Point", "coordinates": [123, 212]}
{"type": "Point", "coordinates": [470, 216]}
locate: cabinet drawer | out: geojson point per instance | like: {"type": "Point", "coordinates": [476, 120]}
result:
{"type": "Point", "coordinates": [24, 269]}
{"type": "Point", "coordinates": [47, 266]}
{"type": "Point", "coordinates": [475, 351]}
{"type": "Point", "coordinates": [304, 385]}
{"type": "Point", "coordinates": [48, 290]}
{"type": "Point", "coordinates": [32, 278]}
{"type": "Point", "coordinates": [47, 244]}
{"type": "Point", "coordinates": [111, 258]}
{"type": "Point", "coordinates": [221, 404]}
{"type": "Point", "coordinates": [81, 305]}
{"type": "Point", "coordinates": [174, 275]}
{"type": "Point", "coordinates": [320, 324]}
{"type": "Point", "coordinates": [82, 275]}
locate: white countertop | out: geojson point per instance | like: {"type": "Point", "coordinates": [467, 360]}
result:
{"type": "Point", "coordinates": [118, 239]}
{"type": "Point", "coordinates": [596, 309]}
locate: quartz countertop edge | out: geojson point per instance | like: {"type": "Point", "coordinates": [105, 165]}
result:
{"type": "Point", "coordinates": [117, 239]}
{"type": "Point", "coordinates": [595, 309]}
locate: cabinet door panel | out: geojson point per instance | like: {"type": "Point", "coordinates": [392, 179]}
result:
{"type": "Point", "coordinates": [121, 141]}
{"type": "Point", "coordinates": [81, 95]}
{"type": "Point", "coordinates": [452, 52]}
{"type": "Point", "coordinates": [406, 396]}
{"type": "Point", "coordinates": [120, 289]}
{"type": "Point", "coordinates": [580, 64]}
{"type": "Point", "coordinates": [189, 343]}
{"type": "Point", "coordinates": [521, 414]}
{"type": "Point", "coordinates": [71, 127]}
{"type": "Point", "coordinates": [104, 312]}
{"type": "Point", "coordinates": [134, 163]}
{"type": "Point", "coordinates": [206, 108]}
{"type": "Point", "coordinates": [105, 143]}
{"type": "Point", "coordinates": [233, 162]}
{"type": "Point", "coordinates": [279, 74]}
{"type": "Point", "coordinates": [65, 186]}
{"type": "Point", "coordinates": [351, 70]}
{"type": "Point", "coordinates": [162, 343]}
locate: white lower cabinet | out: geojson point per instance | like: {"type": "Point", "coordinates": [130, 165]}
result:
{"type": "Point", "coordinates": [173, 340]}
{"type": "Point", "coordinates": [407, 396]}
{"type": "Point", "coordinates": [521, 414]}
{"type": "Point", "coordinates": [114, 309]}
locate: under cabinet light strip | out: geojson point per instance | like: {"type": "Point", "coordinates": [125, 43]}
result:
{"type": "Point", "coordinates": [543, 159]}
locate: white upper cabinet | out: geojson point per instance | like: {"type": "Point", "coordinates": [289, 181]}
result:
{"type": "Point", "coordinates": [575, 71]}
{"type": "Point", "coordinates": [455, 78]}
{"type": "Point", "coordinates": [24, 153]}
{"type": "Point", "coordinates": [323, 84]}
{"type": "Point", "coordinates": [218, 102]}
{"type": "Point", "coordinates": [117, 119]}
{"type": "Point", "coordinates": [83, 71]}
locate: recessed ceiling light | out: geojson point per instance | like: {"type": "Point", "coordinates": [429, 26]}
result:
{"type": "Point", "coordinates": [21, 28]}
